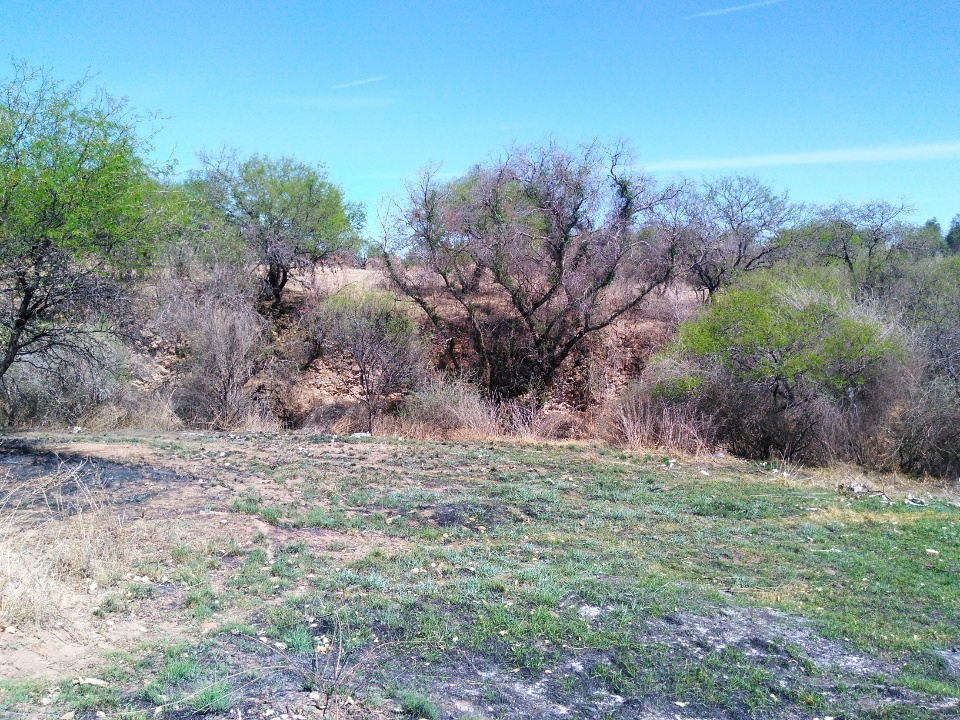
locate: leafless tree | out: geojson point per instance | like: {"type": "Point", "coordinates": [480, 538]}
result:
{"type": "Point", "coordinates": [379, 336]}
{"type": "Point", "coordinates": [734, 225]}
{"type": "Point", "coordinates": [865, 240]}
{"type": "Point", "coordinates": [528, 256]}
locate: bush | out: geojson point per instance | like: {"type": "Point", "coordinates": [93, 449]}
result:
{"type": "Point", "coordinates": [928, 432]}
{"type": "Point", "coordinates": [64, 393]}
{"type": "Point", "coordinates": [789, 368]}
{"type": "Point", "coordinates": [225, 351]}
{"type": "Point", "coordinates": [378, 334]}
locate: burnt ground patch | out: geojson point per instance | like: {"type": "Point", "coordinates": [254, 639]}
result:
{"type": "Point", "coordinates": [468, 513]}
{"type": "Point", "coordinates": [73, 475]}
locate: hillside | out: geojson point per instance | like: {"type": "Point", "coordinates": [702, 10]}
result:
{"type": "Point", "coordinates": [298, 575]}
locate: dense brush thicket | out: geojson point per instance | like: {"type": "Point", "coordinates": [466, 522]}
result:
{"type": "Point", "coordinates": [128, 296]}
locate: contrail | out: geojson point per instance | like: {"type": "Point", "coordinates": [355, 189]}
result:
{"type": "Point", "coordinates": [885, 153]}
{"type": "Point", "coordinates": [735, 8]}
{"type": "Point", "coordinates": [354, 83]}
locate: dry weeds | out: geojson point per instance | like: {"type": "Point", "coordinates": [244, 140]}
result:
{"type": "Point", "coordinates": [60, 541]}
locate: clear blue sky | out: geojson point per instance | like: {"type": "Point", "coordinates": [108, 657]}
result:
{"type": "Point", "coordinates": [852, 99]}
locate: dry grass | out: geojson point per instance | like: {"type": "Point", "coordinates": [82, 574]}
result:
{"type": "Point", "coordinates": [154, 411]}
{"type": "Point", "coordinates": [451, 409]}
{"type": "Point", "coordinates": [640, 422]}
{"type": "Point", "coordinates": [57, 538]}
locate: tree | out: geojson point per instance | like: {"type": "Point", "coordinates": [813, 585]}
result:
{"type": "Point", "coordinates": [735, 225]}
{"type": "Point", "coordinates": [867, 241]}
{"type": "Point", "coordinates": [289, 214]}
{"type": "Point", "coordinates": [786, 363]}
{"type": "Point", "coordinates": [378, 334]}
{"type": "Point", "coordinates": [75, 215]}
{"type": "Point", "coordinates": [528, 256]}
{"type": "Point", "coordinates": [953, 235]}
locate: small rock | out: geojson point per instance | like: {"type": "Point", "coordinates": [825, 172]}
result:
{"type": "Point", "coordinates": [589, 612]}
{"type": "Point", "coordinates": [96, 682]}
{"type": "Point", "coordinates": [931, 551]}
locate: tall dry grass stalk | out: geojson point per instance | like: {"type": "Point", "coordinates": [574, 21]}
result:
{"type": "Point", "coordinates": [58, 536]}
{"type": "Point", "coordinates": [639, 421]}
{"type": "Point", "coordinates": [454, 408]}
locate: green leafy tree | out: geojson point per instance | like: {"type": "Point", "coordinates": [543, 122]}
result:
{"type": "Point", "coordinates": [76, 216]}
{"type": "Point", "coordinates": [288, 213]}
{"type": "Point", "coordinates": [953, 235]}
{"type": "Point", "coordinates": [783, 362]}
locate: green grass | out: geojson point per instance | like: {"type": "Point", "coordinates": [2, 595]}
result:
{"type": "Point", "coordinates": [641, 538]}
{"type": "Point", "coordinates": [435, 557]}
{"type": "Point", "coordinates": [415, 705]}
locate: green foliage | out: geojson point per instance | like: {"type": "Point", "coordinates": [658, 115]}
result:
{"type": "Point", "coordinates": [788, 335]}
{"type": "Point", "coordinates": [288, 212]}
{"type": "Point", "coordinates": [953, 235]}
{"type": "Point", "coordinates": [415, 705]}
{"type": "Point", "coordinates": [783, 363]}
{"type": "Point", "coordinates": [72, 174]}
{"type": "Point", "coordinates": [77, 209]}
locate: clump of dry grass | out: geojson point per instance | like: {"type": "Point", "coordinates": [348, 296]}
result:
{"type": "Point", "coordinates": [451, 408]}
{"type": "Point", "coordinates": [58, 536]}
{"type": "Point", "coordinates": [638, 420]}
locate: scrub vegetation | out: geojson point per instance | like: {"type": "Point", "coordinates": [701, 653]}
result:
{"type": "Point", "coordinates": [561, 441]}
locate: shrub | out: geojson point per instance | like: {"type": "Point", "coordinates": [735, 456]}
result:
{"type": "Point", "coordinates": [378, 334]}
{"type": "Point", "coordinates": [787, 367]}
{"type": "Point", "coordinates": [224, 346]}
{"type": "Point", "coordinates": [415, 705]}
{"type": "Point", "coordinates": [32, 393]}
{"type": "Point", "coordinates": [928, 431]}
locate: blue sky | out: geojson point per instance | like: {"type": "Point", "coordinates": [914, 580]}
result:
{"type": "Point", "coordinates": [848, 99]}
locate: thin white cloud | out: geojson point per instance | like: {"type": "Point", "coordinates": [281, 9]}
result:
{"type": "Point", "coordinates": [336, 102]}
{"type": "Point", "coordinates": [885, 153]}
{"type": "Point", "coordinates": [355, 83]}
{"type": "Point", "coordinates": [735, 8]}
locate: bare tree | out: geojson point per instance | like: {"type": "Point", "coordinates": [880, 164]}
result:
{"type": "Point", "coordinates": [528, 256]}
{"type": "Point", "coordinates": [735, 225]}
{"type": "Point", "coordinates": [379, 336]}
{"type": "Point", "coordinates": [865, 240]}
